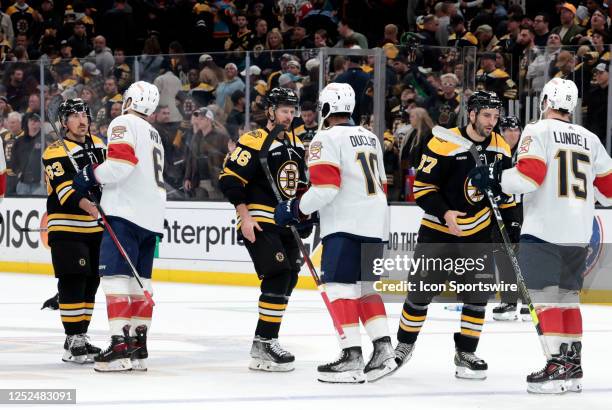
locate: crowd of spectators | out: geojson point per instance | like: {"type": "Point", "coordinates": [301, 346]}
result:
{"type": "Point", "coordinates": [194, 51]}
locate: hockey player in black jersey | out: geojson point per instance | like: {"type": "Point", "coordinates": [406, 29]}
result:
{"type": "Point", "coordinates": [456, 225]}
{"type": "Point", "coordinates": [510, 128]}
{"type": "Point", "coordinates": [74, 232]}
{"type": "Point", "coordinates": [272, 248]}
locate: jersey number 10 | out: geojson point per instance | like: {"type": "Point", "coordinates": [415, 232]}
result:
{"type": "Point", "coordinates": [369, 166]}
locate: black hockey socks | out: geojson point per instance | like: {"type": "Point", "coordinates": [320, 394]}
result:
{"type": "Point", "coordinates": [91, 287]}
{"type": "Point", "coordinates": [411, 321]}
{"type": "Point", "coordinates": [73, 309]}
{"type": "Point", "coordinates": [271, 310]}
{"type": "Point", "coordinates": [472, 320]}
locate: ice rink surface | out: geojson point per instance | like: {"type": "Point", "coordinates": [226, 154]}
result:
{"type": "Point", "coordinates": [199, 352]}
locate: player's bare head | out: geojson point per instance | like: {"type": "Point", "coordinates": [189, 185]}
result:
{"type": "Point", "coordinates": [337, 100]}
{"type": "Point", "coordinates": [484, 110]}
{"type": "Point", "coordinates": [75, 116]}
{"type": "Point", "coordinates": [559, 98]}
{"type": "Point", "coordinates": [281, 106]}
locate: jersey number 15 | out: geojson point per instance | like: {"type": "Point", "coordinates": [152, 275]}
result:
{"type": "Point", "coordinates": [579, 190]}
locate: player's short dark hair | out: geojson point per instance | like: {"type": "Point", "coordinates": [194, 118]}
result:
{"type": "Point", "coordinates": [309, 106]}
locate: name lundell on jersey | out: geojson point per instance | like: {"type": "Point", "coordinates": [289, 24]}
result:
{"type": "Point", "coordinates": [571, 138]}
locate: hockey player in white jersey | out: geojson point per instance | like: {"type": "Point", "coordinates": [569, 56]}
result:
{"type": "Point", "coordinates": [561, 169]}
{"type": "Point", "coordinates": [348, 190]}
{"type": "Point", "coordinates": [2, 172]}
{"type": "Point", "coordinates": [134, 200]}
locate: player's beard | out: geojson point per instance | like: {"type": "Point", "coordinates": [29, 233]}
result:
{"type": "Point", "coordinates": [482, 131]}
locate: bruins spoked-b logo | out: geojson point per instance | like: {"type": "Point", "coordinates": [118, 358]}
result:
{"type": "Point", "coordinates": [472, 194]}
{"type": "Point", "coordinates": [287, 178]}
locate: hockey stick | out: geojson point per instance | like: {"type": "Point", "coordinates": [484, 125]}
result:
{"type": "Point", "coordinates": [263, 159]}
{"type": "Point", "coordinates": [109, 229]}
{"type": "Point", "coordinates": [20, 229]}
{"type": "Point", "coordinates": [453, 138]}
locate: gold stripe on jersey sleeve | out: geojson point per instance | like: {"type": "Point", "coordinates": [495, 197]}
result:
{"type": "Point", "coordinates": [87, 218]}
{"type": "Point", "coordinates": [62, 186]}
{"type": "Point", "coordinates": [65, 197]}
{"type": "Point", "coordinates": [261, 207]}
{"type": "Point", "coordinates": [507, 205]}
{"type": "Point", "coordinates": [424, 192]}
{"type": "Point", "coordinates": [471, 219]}
{"type": "Point", "coordinates": [443, 228]}
{"type": "Point", "coordinates": [228, 172]}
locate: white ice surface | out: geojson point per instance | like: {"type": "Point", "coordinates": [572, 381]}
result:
{"type": "Point", "coordinates": [199, 352]}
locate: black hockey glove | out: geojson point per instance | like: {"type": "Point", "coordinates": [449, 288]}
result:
{"type": "Point", "coordinates": [305, 228]}
{"type": "Point", "coordinates": [487, 177]}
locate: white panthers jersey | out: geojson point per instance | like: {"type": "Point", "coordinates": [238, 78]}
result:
{"type": "Point", "coordinates": [132, 174]}
{"type": "Point", "coordinates": [562, 168]}
{"type": "Point", "coordinates": [348, 182]}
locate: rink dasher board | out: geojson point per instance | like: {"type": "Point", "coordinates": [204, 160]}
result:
{"type": "Point", "coordinates": [200, 243]}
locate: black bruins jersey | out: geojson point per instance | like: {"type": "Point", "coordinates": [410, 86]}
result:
{"type": "Point", "coordinates": [441, 184]}
{"type": "Point", "coordinates": [243, 181]}
{"type": "Point", "coordinates": [65, 219]}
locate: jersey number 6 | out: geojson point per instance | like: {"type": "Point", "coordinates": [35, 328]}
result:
{"type": "Point", "coordinates": [158, 170]}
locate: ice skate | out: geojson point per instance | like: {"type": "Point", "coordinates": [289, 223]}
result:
{"type": "Point", "coordinates": [552, 379]}
{"type": "Point", "coordinates": [348, 368]}
{"type": "Point", "coordinates": [75, 350]}
{"type": "Point", "coordinates": [269, 356]}
{"type": "Point", "coordinates": [138, 349]}
{"type": "Point", "coordinates": [116, 357]}
{"type": "Point", "coordinates": [403, 353]}
{"type": "Point", "coordinates": [382, 362]}
{"type": "Point", "coordinates": [470, 366]}
{"type": "Point", "coordinates": [505, 311]}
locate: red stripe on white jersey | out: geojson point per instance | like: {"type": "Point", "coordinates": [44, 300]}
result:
{"type": "Point", "coordinates": [604, 185]}
{"type": "Point", "coordinates": [122, 152]}
{"type": "Point", "coordinates": [534, 169]}
{"type": "Point", "coordinates": [324, 174]}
